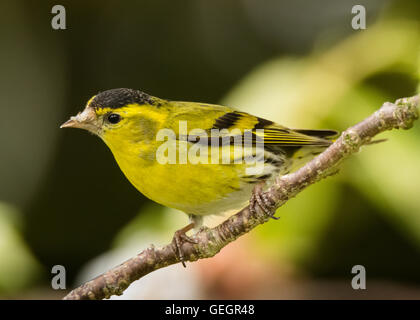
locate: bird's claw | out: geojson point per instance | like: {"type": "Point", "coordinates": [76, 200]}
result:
{"type": "Point", "coordinates": [179, 238]}
{"type": "Point", "coordinates": [259, 198]}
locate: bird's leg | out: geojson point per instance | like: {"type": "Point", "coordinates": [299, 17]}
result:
{"type": "Point", "coordinates": [179, 238]}
{"type": "Point", "coordinates": [259, 198]}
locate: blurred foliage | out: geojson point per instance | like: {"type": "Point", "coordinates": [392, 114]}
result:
{"type": "Point", "coordinates": [295, 62]}
{"type": "Point", "coordinates": [350, 81]}
{"type": "Point", "coordinates": [18, 267]}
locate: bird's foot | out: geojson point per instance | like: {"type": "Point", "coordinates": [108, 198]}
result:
{"type": "Point", "coordinates": [259, 198]}
{"type": "Point", "coordinates": [179, 238]}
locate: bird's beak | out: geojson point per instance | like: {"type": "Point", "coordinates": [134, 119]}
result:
{"type": "Point", "coordinates": [83, 120]}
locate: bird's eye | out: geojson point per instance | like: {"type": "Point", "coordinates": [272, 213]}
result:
{"type": "Point", "coordinates": [114, 118]}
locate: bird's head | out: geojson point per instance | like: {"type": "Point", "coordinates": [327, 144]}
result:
{"type": "Point", "coordinates": [120, 115]}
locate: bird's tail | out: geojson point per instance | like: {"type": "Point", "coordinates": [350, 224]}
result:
{"type": "Point", "coordinates": [330, 135]}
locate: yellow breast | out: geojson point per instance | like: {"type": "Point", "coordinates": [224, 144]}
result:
{"type": "Point", "coordinates": [192, 188]}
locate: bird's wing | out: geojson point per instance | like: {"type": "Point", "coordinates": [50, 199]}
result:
{"type": "Point", "coordinates": [270, 132]}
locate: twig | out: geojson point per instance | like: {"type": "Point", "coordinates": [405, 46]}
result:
{"type": "Point", "coordinates": [400, 114]}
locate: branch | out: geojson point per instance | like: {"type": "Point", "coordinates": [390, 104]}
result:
{"type": "Point", "coordinates": [400, 114]}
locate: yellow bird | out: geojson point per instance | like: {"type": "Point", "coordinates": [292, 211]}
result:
{"type": "Point", "coordinates": [202, 159]}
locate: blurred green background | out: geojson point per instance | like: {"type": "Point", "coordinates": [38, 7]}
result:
{"type": "Point", "coordinates": [64, 201]}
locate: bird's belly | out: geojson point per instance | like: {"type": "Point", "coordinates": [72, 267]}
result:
{"type": "Point", "coordinates": [199, 189]}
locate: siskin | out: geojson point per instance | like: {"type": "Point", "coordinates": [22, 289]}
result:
{"type": "Point", "coordinates": [131, 123]}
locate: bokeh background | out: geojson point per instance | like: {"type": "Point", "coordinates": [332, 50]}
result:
{"type": "Point", "coordinates": [63, 200]}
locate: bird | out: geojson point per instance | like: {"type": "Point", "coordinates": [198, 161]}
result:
{"type": "Point", "coordinates": [202, 159]}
